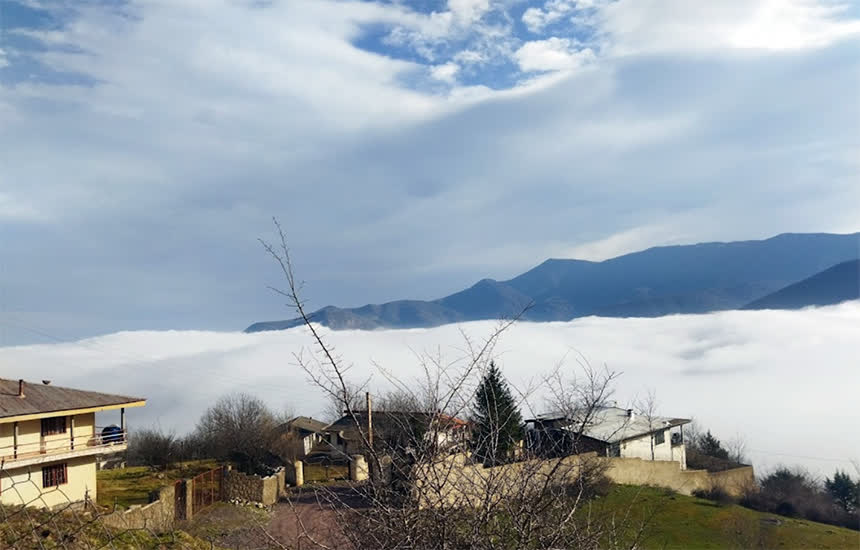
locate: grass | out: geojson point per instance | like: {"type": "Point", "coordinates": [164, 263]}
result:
{"type": "Point", "coordinates": [682, 522]}
{"type": "Point", "coordinates": [78, 529]}
{"type": "Point", "coordinates": [127, 486]}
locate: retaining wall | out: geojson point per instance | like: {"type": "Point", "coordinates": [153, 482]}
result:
{"type": "Point", "coordinates": [456, 482]}
{"type": "Point", "coordinates": [157, 516]}
{"type": "Point", "coordinates": [266, 490]}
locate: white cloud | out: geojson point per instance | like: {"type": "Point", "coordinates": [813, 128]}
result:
{"type": "Point", "coordinates": [552, 54]}
{"type": "Point", "coordinates": [3, 61]}
{"type": "Point", "coordinates": [468, 11]}
{"type": "Point", "coordinates": [766, 375]}
{"type": "Point", "coordinates": [535, 19]}
{"type": "Point", "coordinates": [446, 72]}
{"type": "Point", "coordinates": [469, 56]}
{"type": "Point", "coordinates": [637, 26]}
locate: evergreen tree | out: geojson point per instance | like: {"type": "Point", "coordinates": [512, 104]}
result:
{"type": "Point", "coordinates": [498, 424]}
{"type": "Point", "coordinates": [710, 446]}
{"type": "Point", "coordinates": [845, 492]}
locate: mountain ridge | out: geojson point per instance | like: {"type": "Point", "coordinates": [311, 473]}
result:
{"type": "Point", "coordinates": [660, 280]}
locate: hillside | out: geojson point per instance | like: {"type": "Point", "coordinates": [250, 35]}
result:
{"type": "Point", "coordinates": [682, 522]}
{"type": "Point", "coordinates": [659, 281]}
{"type": "Point", "coordinates": [832, 286]}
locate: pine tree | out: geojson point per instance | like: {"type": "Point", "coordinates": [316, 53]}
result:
{"type": "Point", "coordinates": [845, 492]}
{"type": "Point", "coordinates": [710, 446]}
{"type": "Point", "coordinates": [498, 424]}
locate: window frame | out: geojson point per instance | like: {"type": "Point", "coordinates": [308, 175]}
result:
{"type": "Point", "coordinates": [50, 426]}
{"type": "Point", "coordinates": [55, 475]}
{"type": "Point", "coordinates": [659, 437]}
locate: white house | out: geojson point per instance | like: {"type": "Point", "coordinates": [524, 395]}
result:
{"type": "Point", "coordinates": [611, 431]}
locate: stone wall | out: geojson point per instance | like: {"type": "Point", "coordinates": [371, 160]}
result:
{"type": "Point", "coordinates": [158, 516]}
{"type": "Point", "coordinates": [265, 490]}
{"type": "Point", "coordinates": [456, 482]}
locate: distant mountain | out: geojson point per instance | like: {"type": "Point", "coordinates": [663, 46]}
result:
{"type": "Point", "coordinates": [659, 281]}
{"type": "Point", "coordinates": [838, 284]}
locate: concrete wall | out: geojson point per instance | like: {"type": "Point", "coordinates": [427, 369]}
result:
{"type": "Point", "coordinates": [266, 490]}
{"type": "Point", "coordinates": [23, 486]}
{"type": "Point", "coordinates": [158, 516]}
{"type": "Point", "coordinates": [456, 482]}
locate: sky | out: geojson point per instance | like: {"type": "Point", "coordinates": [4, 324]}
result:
{"type": "Point", "coordinates": [408, 148]}
{"type": "Point", "coordinates": [784, 382]}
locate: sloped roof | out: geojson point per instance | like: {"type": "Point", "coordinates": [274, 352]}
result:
{"type": "Point", "coordinates": [307, 424]}
{"type": "Point", "coordinates": [613, 424]}
{"type": "Point", "coordinates": [395, 420]}
{"type": "Point", "coordinates": [40, 398]}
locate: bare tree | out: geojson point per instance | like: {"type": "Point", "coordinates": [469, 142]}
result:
{"type": "Point", "coordinates": [425, 494]}
{"type": "Point", "coordinates": [646, 407]}
{"type": "Point", "coordinates": [240, 428]}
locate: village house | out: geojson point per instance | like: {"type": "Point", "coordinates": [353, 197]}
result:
{"type": "Point", "coordinates": [610, 431]}
{"type": "Point", "coordinates": [300, 435]}
{"type": "Point", "coordinates": [49, 441]}
{"type": "Point", "coordinates": [394, 430]}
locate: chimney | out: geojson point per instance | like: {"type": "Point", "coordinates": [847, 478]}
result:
{"type": "Point", "coordinates": [21, 388]}
{"type": "Point", "coordinates": [630, 414]}
{"type": "Point", "coordinates": [369, 419]}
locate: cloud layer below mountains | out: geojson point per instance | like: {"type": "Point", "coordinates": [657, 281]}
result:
{"type": "Point", "coordinates": [785, 381]}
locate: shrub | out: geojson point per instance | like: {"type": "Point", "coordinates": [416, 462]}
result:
{"type": "Point", "coordinates": [152, 448]}
{"type": "Point", "coordinates": [716, 494]}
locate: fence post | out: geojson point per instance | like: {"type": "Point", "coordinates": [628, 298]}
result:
{"type": "Point", "coordinates": [189, 499]}
{"type": "Point", "coordinates": [299, 467]}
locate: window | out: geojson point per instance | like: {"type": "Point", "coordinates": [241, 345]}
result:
{"type": "Point", "coordinates": [54, 475]}
{"type": "Point", "coordinates": [659, 437]}
{"type": "Point", "coordinates": [54, 426]}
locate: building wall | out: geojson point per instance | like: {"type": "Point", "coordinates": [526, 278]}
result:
{"type": "Point", "coordinates": [24, 485]}
{"type": "Point", "coordinates": [640, 447]}
{"type": "Point", "coordinates": [30, 439]}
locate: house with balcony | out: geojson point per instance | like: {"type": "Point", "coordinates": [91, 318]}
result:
{"type": "Point", "coordinates": [609, 431]}
{"type": "Point", "coordinates": [50, 444]}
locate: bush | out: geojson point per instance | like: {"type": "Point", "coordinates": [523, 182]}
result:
{"type": "Point", "coordinates": [794, 493]}
{"type": "Point", "coordinates": [152, 448]}
{"type": "Point", "coordinates": [716, 494]}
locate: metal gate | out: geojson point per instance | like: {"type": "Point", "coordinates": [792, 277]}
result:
{"type": "Point", "coordinates": [180, 499]}
{"type": "Point", "coordinates": [207, 489]}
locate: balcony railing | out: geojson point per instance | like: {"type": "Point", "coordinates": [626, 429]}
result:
{"type": "Point", "coordinates": [54, 445]}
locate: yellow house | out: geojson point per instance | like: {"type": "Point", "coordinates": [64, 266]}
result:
{"type": "Point", "coordinates": [49, 442]}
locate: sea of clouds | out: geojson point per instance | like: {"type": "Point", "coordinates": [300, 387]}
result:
{"type": "Point", "coordinates": [786, 381]}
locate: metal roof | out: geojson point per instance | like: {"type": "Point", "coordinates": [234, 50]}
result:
{"type": "Point", "coordinates": [41, 398]}
{"type": "Point", "coordinates": [613, 424]}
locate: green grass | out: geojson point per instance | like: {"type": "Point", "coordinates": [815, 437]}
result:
{"type": "Point", "coordinates": [78, 530]}
{"type": "Point", "coordinates": [682, 522]}
{"type": "Point", "coordinates": [127, 486]}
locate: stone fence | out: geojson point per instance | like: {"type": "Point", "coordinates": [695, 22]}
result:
{"type": "Point", "coordinates": [157, 516]}
{"type": "Point", "coordinates": [265, 490]}
{"type": "Point", "coordinates": [455, 481]}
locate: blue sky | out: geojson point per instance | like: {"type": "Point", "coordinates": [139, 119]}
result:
{"type": "Point", "coordinates": [409, 148]}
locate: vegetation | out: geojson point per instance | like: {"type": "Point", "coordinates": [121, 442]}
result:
{"type": "Point", "coordinates": [794, 493]}
{"type": "Point", "coordinates": [127, 486]}
{"type": "Point", "coordinates": [683, 522]}
{"type": "Point", "coordinates": [498, 423]}
{"type": "Point", "coordinates": [78, 530]}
